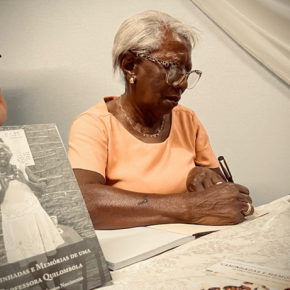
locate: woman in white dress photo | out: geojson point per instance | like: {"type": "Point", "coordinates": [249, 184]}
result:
{"type": "Point", "coordinates": [27, 229]}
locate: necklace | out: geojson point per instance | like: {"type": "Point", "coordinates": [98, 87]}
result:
{"type": "Point", "coordinates": [131, 123]}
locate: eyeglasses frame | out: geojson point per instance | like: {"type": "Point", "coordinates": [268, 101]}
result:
{"type": "Point", "coordinates": [167, 66]}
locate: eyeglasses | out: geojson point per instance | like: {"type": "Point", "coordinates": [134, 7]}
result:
{"type": "Point", "coordinates": [175, 72]}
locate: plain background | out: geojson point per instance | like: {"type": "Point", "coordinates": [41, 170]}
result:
{"type": "Point", "coordinates": [56, 63]}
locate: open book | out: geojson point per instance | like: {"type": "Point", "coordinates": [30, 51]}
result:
{"type": "Point", "coordinates": [128, 246]}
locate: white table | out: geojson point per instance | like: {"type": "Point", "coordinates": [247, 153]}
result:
{"type": "Point", "coordinates": [264, 241]}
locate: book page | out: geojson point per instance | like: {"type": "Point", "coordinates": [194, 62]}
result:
{"type": "Point", "coordinates": [124, 244]}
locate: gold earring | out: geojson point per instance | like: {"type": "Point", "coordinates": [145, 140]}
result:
{"type": "Point", "coordinates": [131, 81]}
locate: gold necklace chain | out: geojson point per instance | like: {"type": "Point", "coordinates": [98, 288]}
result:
{"type": "Point", "coordinates": [131, 123]}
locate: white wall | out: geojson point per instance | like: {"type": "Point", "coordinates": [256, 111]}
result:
{"type": "Point", "coordinates": [56, 62]}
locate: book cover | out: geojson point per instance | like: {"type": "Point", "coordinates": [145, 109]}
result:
{"type": "Point", "coordinates": [47, 240]}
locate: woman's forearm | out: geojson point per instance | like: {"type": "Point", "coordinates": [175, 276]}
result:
{"type": "Point", "coordinates": [32, 181]}
{"type": "Point", "coordinates": [4, 183]}
{"type": "Point", "coordinates": [2, 195]}
{"type": "Point", "coordinates": [114, 208]}
{"type": "Point", "coordinates": [34, 186]}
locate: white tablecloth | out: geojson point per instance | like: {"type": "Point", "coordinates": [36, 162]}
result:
{"type": "Point", "coordinates": [264, 241]}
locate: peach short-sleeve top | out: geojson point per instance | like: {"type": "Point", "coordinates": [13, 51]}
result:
{"type": "Point", "coordinates": [98, 142]}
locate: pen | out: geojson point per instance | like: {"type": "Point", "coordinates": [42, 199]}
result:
{"type": "Point", "coordinates": [199, 235]}
{"type": "Point", "coordinates": [225, 169]}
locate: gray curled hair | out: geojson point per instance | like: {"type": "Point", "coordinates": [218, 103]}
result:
{"type": "Point", "coordinates": [142, 33]}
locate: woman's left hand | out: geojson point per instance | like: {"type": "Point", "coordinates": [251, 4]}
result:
{"type": "Point", "coordinates": [200, 178]}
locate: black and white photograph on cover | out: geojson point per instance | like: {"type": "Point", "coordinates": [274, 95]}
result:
{"type": "Point", "coordinates": [27, 229]}
{"type": "Point", "coordinates": [46, 237]}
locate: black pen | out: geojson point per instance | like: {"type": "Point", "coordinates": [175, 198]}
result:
{"type": "Point", "coordinates": [225, 169]}
{"type": "Point", "coordinates": [199, 235]}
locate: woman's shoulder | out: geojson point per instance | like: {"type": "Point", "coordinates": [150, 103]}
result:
{"type": "Point", "coordinates": [182, 110]}
{"type": "Point", "coordinates": [184, 116]}
{"type": "Point", "coordinates": [96, 113]}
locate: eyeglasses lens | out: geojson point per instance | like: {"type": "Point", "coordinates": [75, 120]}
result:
{"type": "Point", "coordinates": [192, 80]}
{"type": "Point", "coordinates": [176, 75]}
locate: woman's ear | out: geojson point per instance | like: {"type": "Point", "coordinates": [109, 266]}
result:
{"type": "Point", "coordinates": [128, 64]}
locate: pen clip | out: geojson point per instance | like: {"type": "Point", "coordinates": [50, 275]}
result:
{"type": "Point", "coordinates": [225, 169]}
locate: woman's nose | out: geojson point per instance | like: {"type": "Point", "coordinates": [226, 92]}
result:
{"type": "Point", "coordinates": [182, 85]}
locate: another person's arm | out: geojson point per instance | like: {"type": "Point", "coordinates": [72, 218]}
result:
{"type": "Point", "coordinates": [3, 109]}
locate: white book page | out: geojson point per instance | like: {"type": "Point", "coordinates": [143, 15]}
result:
{"type": "Point", "coordinates": [124, 244]}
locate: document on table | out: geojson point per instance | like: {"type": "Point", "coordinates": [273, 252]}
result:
{"type": "Point", "coordinates": [264, 276]}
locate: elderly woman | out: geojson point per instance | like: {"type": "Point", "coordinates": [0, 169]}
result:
{"type": "Point", "coordinates": [141, 158]}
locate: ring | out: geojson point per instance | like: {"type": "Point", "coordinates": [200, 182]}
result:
{"type": "Point", "coordinates": [248, 210]}
{"type": "Point", "coordinates": [218, 183]}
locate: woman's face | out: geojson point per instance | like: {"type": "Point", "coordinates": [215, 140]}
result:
{"type": "Point", "coordinates": [153, 94]}
{"type": "Point", "coordinates": [4, 157]}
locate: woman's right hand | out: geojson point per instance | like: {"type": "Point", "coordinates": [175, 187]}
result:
{"type": "Point", "coordinates": [221, 204]}
{"type": "Point", "coordinates": [4, 183]}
